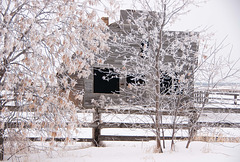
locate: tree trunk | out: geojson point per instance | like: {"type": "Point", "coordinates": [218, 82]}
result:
{"type": "Point", "coordinates": [158, 135]}
{"type": "Point", "coordinates": [96, 132]}
{"type": "Point", "coordinates": [158, 111]}
{"type": "Point", "coordinates": [1, 144]}
{"type": "Point", "coordinates": [157, 85]}
{"type": "Point", "coordinates": [1, 133]}
{"type": "Point", "coordinates": [192, 130]}
{"type": "Point", "coordinates": [163, 136]}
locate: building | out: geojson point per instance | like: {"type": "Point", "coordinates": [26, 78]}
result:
{"type": "Point", "coordinates": [107, 80]}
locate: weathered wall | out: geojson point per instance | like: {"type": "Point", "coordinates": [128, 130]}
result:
{"type": "Point", "coordinates": [117, 54]}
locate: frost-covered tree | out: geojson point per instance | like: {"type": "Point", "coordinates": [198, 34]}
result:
{"type": "Point", "coordinates": [40, 39]}
{"type": "Point", "coordinates": [213, 71]}
{"type": "Point", "coordinates": [158, 64]}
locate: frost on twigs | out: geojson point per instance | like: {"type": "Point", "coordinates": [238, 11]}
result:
{"type": "Point", "coordinates": [158, 64]}
{"type": "Point", "coordinates": [39, 39]}
{"type": "Point", "coordinates": [160, 68]}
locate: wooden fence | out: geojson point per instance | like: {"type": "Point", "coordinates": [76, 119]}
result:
{"type": "Point", "coordinates": [212, 98]}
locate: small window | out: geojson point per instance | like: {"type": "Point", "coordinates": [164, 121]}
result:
{"type": "Point", "coordinates": [105, 81]}
{"type": "Point", "coordinates": [169, 85]}
{"type": "Point", "coordinates": [135, 80]}
{"type": "Point", "coordinates": [144, 49]}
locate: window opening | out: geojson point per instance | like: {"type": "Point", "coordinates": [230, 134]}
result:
{"type": "Point", "coordinates": [105, 80]}
{"type": "Point", "coordinates": [144, 49]}
{"type": "Point", "coordinates": [135, 80]}
{"type": "Point", "coordinates": [169, 85]}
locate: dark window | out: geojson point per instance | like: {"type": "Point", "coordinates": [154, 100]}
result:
{"type": "Point", "coordinates": [168, 84]}
{"type": "Point", "coordinates": [144, 49]}
{"type": "Point", "coordinates": [105, 81]}
{"type": "Point", "coordinates": [135, 80]}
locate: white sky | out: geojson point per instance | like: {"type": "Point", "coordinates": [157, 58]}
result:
{"type": "Point", "coordinates": [223, 18]}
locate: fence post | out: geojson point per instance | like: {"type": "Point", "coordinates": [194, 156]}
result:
{"type": "Point", "coordinates": [235, 99]}
{"type": "Point", "coordinates": [96, 131]}
{"type": "Point", "coordinates": [206, 97]}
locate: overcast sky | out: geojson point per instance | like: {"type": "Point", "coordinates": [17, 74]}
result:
{"type": "Point", "coordinates": [223, 18]}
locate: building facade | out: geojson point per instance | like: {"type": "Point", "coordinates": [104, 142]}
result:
{"type": "Point", "coordinates": [113, 78]}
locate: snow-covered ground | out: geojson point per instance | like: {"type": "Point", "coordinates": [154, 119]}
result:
{"type": "Point", "coordinates": [140, 152]}
{"type": "Point", "coordinates": [144, 151]}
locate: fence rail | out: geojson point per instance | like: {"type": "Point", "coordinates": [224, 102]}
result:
{"type": "Point", "coordinates": [200, 96]}
{"type": "Point", "coordinates": [97, 123]}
